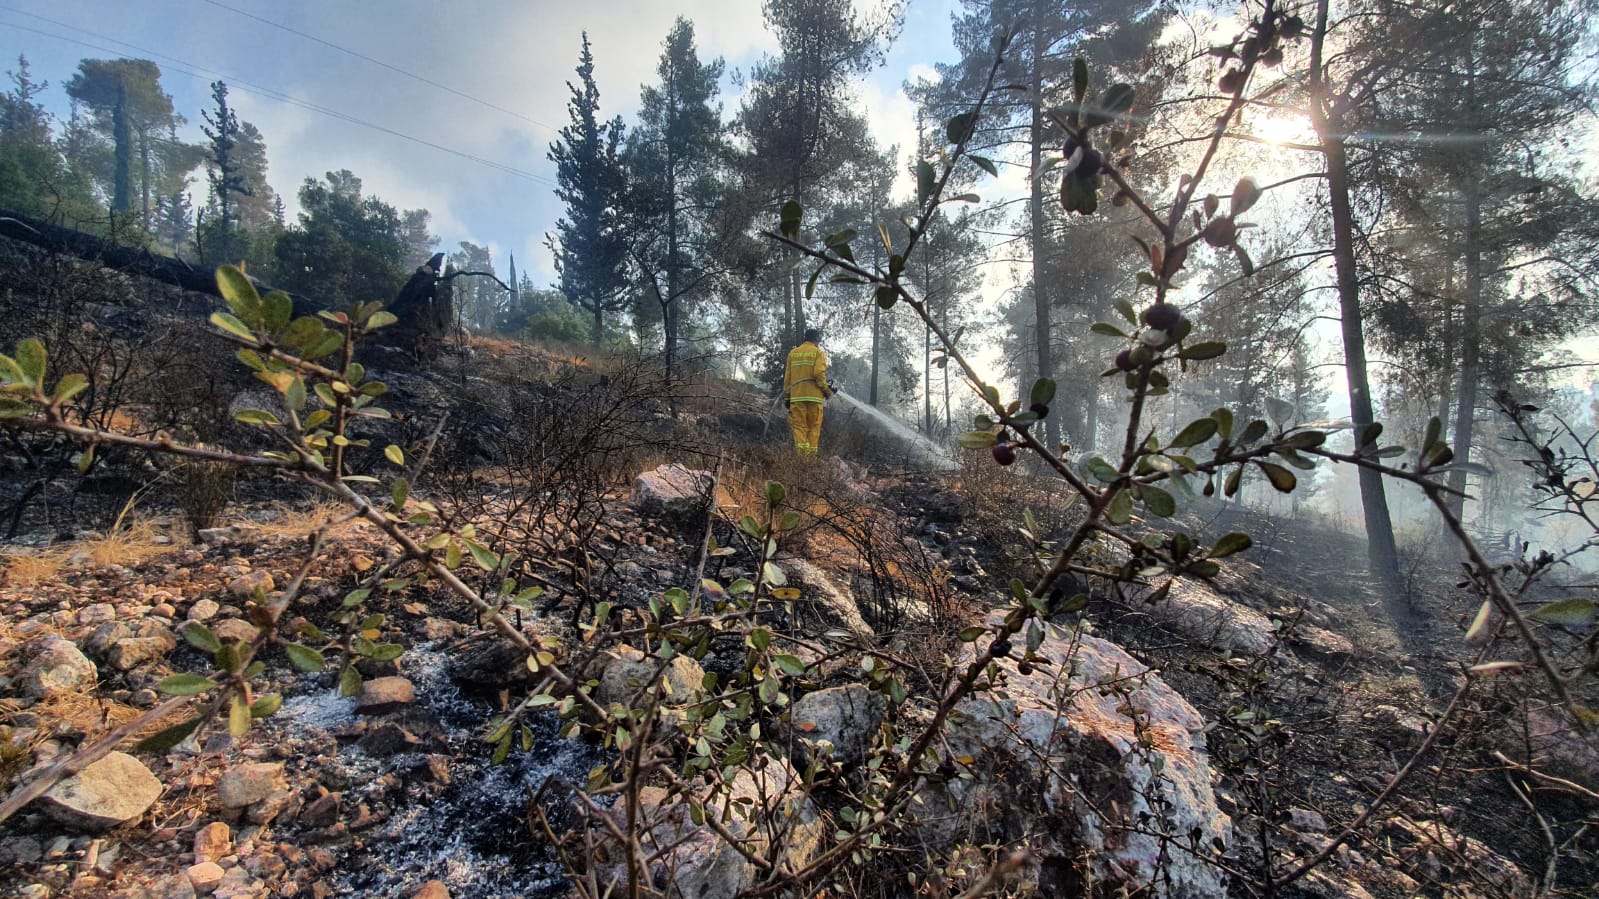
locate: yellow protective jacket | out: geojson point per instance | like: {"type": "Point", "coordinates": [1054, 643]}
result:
{"type": "Point", "coordinates": [805, 379]}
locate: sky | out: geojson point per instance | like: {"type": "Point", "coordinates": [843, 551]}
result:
{"type": "Point", "coordinates": [498, 73]}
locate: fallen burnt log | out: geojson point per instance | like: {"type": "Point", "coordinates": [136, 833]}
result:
{"type": "Point", "coordinates": [424, 306]}
{"type": "Point", "coordinates": [130, 260]}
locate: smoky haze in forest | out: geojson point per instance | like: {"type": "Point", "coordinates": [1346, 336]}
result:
{"type": "Point", "coordinates": [627, 164]}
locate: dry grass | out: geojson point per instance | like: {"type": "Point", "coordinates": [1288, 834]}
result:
{"type": "Point", "coordinates": [133, 545]}
{"type": "Point", "coordinates": [300, 521]}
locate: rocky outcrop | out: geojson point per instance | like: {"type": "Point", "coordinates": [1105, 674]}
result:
{"type": "Point", "coordinates": [627, 670]}
{"type": "Point", "coordinates": [759, 808]}
{"type": "Point", "coordinates": [846, 718]}
{"type": "Point", "coordinates": [1095, 759]}
{"type": "Point", "coordinates": [105, 794]}
{"type": "Point", "coordinates": [1196, 611]}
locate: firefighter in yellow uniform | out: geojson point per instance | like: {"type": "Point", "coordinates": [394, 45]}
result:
{"type": "Point", "coordinates": [805, 388]}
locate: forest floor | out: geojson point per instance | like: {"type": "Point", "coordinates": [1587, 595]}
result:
{"type": "Point", "coordinates": [1314, 697]}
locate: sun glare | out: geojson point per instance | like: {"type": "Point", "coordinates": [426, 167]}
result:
{"type": "Point", "coordinates": [1278, 128]}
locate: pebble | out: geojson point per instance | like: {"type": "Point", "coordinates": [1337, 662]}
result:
{"type": "Point", "coordinates": [205, 877]}
{"type": "Point", "coordinates": [212, 842]}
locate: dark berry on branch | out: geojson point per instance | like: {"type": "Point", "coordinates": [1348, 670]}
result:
{"type": "Point", "coordinates": [1124, 360]}
{"type": "Point", "coordinates": [1004, 453]}
{"type": "Point", "coordinates": [1164, 316]}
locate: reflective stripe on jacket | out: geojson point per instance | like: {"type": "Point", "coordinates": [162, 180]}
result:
{"type": "Point", "coordinates": [805, 379]}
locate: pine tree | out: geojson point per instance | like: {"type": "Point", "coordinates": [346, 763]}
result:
{"type": "Point", "coordinates": [589, 244]}
{"type": "Point", "coordinates": [224, 174]}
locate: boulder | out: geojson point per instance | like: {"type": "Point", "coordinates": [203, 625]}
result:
{"type": "Point", "coordinates": [628, 669]}
{"type": "Point", "coordinates": [1201, 614]}
{"type": "Point", "coordinates": [106, 793]}
{"type": "Point", "coordinates": [846, 717]}
{"type": "Point", "coordinates": [673, 492]}
{"type": "Point", "coordinates": [125, 655]}
{"type": "Point", "coordinates": [381, 695]}
{"type": "Point", "coordinates": [827, 597]}
{"type": "Point", "coordinates": [58, 667]}
{"type": "Point", "coordinates": [1056, 757]}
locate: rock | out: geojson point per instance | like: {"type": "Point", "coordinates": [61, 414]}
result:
{"type": "Point", "coordinates": [388, 739]}
{"type": "Point", "coordinates": [251, 585]}
{"type": "Point", "coordinates": [433, 889]}
{"type": "Point", "coordinates": [58, 667]}
{"type": "Point", "coordinates": [203, 610]}
{"type": "Point", "coordinates": [213, 842]}
{"type": "Point", "coordinates": [673, 492]}
{"type": "Point", "coordinates": [1449, 856]}
{"type": "Point", "coordinates": [382, 695]}
{"type": "Point", "coordinates": [249, 783]}
{"type": "Point", "coordinates": [628, 669]}
{"type": "Point", "coordinates": [322, 812]}
{"type": "Point", "coordinates": [1323, 642]}
{"type": "Point", "coordinates": [216, 536]}
{"type": "Point", "coordinates": [236, 629]}
{"type": "Point", "coordinates": [695, 860]}
{"type": "Point", "coordinates": [205, 877]}
{"type": "Point", "coordinates": [125, 655]}
{"type": "Point", "coordinates": [98, 613]}
{"type": "Point", "coordinates": [1410, 728]}
{"type": "Point", "coordinates": [833, 600]}
{"type": "Point", "coordinates": [106, 793]}
{"type": "Point", "coordinates": [848, 717]}
{"type": "Point", "coordinates": [1306, 821]}
{"type": "Point", "coordinates": [1055, 760]}
{"type": "Point", "coordinates": [1200, 613]}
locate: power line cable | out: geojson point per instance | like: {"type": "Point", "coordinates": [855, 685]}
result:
{"type": "Point", "coordinates": [195, 70]}
{"type": "Point", "coordinates": [378, 62]}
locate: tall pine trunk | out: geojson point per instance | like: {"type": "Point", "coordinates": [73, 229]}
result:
{"type": "Point", "coordinates": [1470, 350]}
{"type": "Point", "coordinates": [122, 137]}
{"type": "Point", "coordinates": [1035, 208]}
{"type": "Point", "coordinates": [1380, 547]}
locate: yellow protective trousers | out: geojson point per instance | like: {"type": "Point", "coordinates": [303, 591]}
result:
{"type": "Point", "coordinates": [805, 419]}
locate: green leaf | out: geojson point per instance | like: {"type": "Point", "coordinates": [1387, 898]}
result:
{"type": "Point", "coordinates": [303, 658]}
{"type": "Point", "coordinates": [483, 556]}
{"type": "Point", "coordinates": [926, 180]}
{"type": "Point", "coordinates": [232, 325]}
{"type": "Point", "coordinates": [238, 716]}
{"type": "Point", "coordinates": [986, 164]}
{"type": "Point", "coordinates": [200, 637]}
{"type": "Point", "coordinates": [387, 652]}
{"type": "Point", "coordinates": [1280, 477]}
{"type": "Point", "coordinates": [1198, 431]}
{"type": "Point", "coordinates": [1230, 544]}
{"type": "Point", "coordinates": [1043, 392]}
{"type": "Point", "coordinates": [381, 319]}
{"type": "Point", "coordinates": [10, 371]}
{"type": "Point", "coordinates": [774, 494]}
{"type": "Point", "coordinates": [186, 685]}
{"type": "Point", "coordinates": [1245, 195]}
{"type": "Point", "coordinates": [1567, 612]}
{"type": "Point", "coordinates": [266, 706]}
{"type": "Point", "coordinates": [774, 575]}
{"type": "Point", "coordinates": [1079, 80]}
{"type": "Point", "coordinates": [790, 218]}
{"type": "Point", "coordinates": [887, 296]}
{"type": "Point", "coordinates": [239, 294]}
{"type": "Point", "coordinates": [276, 310]}
{"type": "Point", "coordinates": [970, 634]}
{"type": "Point", "coordinates": [1120, 508]}
{"type": "Point", "coordinates": [1210, 349]}
{"type": "Point", "coordinates": [959, 128]}
{"type": "Point", "coordinates": [165, 739]}
{"type": "Point", "coordinates": [328, 343]}
{"type": "Point", "coordinates": [1279, 411]}
{"type": "Point", "coordinates": [256, 417]}
{"type": "Point", "coordinates": [349, 681]}
{"type": "Point", "coordinates": [70, 386]}
{"type": "Point", "coordinates": [1107, 329]}
{"type": "Point", "coordinates": [394, 454]}
{"type": "Point", "coordinates": [33, 361]}
{"type": "Point", "coordinates": [1158, 501]}
{"type": "Point", "coordinates": [977, 439]}
{"type": "Point", "coordinates": [1252, 432]}
{"type": "Point", "coordinates": [790, 665]}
